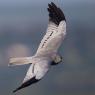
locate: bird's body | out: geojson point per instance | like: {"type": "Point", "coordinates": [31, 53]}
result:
{"type": "Point", "coordinates": [47, 52]}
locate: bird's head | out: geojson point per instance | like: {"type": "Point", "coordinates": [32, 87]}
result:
{"type": "Point", "coordinates": [57, 59]}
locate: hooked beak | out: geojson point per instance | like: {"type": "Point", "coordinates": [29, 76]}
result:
{"type": "Point", "coordinates": [27, 83]}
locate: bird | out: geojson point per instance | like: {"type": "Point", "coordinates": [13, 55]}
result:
{"type": "Point", "coordinates": [47, 53]}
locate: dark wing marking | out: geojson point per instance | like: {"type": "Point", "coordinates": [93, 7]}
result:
{"type": "Point", "coordinates": [47, 39]}
{"type": "Point", "coordinates": [28, 83]}
{"type": "Point", "coordinates": [55, 14]}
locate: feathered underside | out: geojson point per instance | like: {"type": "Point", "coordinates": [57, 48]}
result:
{"type": "Point", "coordinates": [56, 27]}
{"type": "Point", "coordinates": [55, 14]}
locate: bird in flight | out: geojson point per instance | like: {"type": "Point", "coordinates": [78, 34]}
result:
{"type": "Point", "coordinates": [47, 52]}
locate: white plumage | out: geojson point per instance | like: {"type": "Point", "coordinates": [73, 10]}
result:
{"type": "Point", "coordinates": [53, 38]}
{"type": "Point", "coordinates": [47, 53]}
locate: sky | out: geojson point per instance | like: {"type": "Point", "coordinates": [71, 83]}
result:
{"type": "Point", "coordinates": [23, 24]}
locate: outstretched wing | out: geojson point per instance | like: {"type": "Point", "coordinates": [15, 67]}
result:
{"type": "Point", "coordinates": [55, 32]}
{"type": "Point", "coordinates": [35, 73]}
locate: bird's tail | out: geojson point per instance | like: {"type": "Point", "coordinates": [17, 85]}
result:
{"type": "Point", "coordinates": [20, 61]}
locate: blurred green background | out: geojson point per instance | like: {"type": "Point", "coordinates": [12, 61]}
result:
{"type": "Point", "coordinates": [23, 24]}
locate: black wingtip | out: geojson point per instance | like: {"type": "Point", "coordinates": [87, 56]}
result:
{"type": "Point", "coordinates": [55, 14]}
{"type": "Point", "coordinates": [20, 87]}
{"type": "Point", "coordinates": [16, 90]}
{"type": "Point", "coordinates": [26, 84]}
